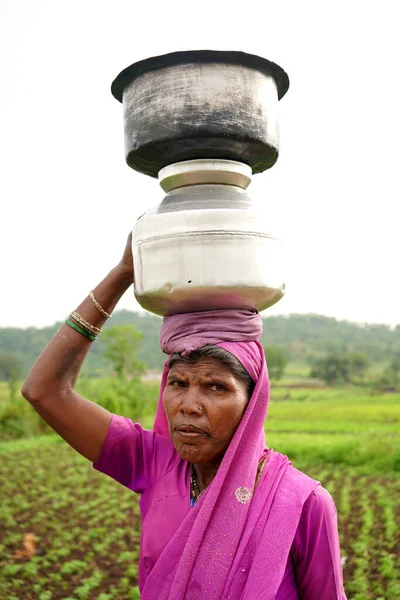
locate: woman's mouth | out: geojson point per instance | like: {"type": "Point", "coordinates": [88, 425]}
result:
{"type": "Point", "coordinates": [189, 432]}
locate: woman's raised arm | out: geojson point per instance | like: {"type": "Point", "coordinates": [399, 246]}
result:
{"type": "Point", "coordinates": [50, 384]}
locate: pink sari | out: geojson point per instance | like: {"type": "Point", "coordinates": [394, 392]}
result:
{"type": "Point", "coordinates": [235, 542]}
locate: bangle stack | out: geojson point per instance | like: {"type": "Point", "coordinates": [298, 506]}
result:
{"type": "Point", "coordinates": [77, 322]}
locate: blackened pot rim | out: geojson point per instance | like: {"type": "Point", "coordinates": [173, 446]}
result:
{"type": "Point", "coordinates": [232, 57]}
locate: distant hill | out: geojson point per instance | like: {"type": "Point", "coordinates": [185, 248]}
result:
{"type": "Point", "coordinates": [301, 336]}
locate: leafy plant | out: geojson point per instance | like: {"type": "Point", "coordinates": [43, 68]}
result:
{"type": "Point", "coordinates": [276, 361]}
{"type": "Point", "coordinates": [10, 371]}
{"type": "Point", "coordinates": [121, 346]}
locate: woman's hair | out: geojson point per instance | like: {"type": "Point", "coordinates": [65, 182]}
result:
{"type": "Point", "coordinates": [224, 357]}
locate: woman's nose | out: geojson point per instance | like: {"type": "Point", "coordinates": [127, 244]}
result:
{"type": "Point", "coordinates": [191, 403]}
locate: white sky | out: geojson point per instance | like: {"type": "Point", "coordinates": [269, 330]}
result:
{"type": "Point", "coordinates": [68, 200]}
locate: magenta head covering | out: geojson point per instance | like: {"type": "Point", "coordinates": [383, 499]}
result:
{"type": "Point", "coordinates": [234, 543]}
{"type": "Point", "coordinates": [184, 333]}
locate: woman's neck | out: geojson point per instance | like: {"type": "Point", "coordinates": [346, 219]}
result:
{"type": "Point", "coordinates": [205, 473]}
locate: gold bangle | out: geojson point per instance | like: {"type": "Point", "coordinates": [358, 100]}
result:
{"type": "Point", "coordinates": [81, 321]}
{"type": "Point", "coordinates": [98, 306]}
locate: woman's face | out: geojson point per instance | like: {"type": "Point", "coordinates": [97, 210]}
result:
{"type": "Point", "coordinates": [204, 403]}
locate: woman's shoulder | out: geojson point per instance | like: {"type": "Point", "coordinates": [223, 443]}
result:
{"type": "Point", "coordinates": [123, 427]}
{"type": "Point", "coordinates": [296, 483]}
{"type": "Point", "coordinates": [320, 506]}
{"type": "Point", "coordinates": [318, 498]}
{"type": "Point", "coordinates": [134, 456]}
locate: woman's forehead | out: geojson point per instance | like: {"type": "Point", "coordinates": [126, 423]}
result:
{"type": "Point", "coordinates": [207, 367]}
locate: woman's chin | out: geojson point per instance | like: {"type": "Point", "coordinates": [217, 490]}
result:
{"type": "Point", "coordinates": [189, 452]}
{"type": "Point", "coordinates": [194, 454]}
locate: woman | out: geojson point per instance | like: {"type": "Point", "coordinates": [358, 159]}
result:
{"type": "Point", "coordinates": [223, 517]}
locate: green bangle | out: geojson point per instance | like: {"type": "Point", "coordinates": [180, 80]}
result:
{"type": "Point", "coordinates": [86, 334]}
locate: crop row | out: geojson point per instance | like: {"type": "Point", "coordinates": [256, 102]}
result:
{"type": "Point", "coordinates": [369, 519]}
{"type": "Point", "coordinates": [86, 529]}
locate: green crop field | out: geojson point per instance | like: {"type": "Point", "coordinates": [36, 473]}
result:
{"type": "Point", "coordinates": [86, 527]}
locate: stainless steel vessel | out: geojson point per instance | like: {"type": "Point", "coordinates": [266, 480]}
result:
{"type": "Point", "coordinates": [203, 122]}
{"type": "Point", "coordinates": [204, 246]}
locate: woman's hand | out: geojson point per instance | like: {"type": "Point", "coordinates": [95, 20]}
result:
{"type": "Point", "coordinates": [126, 262]}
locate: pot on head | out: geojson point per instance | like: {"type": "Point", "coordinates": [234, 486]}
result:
{"type": "Point", "coordinates": [203, 122]}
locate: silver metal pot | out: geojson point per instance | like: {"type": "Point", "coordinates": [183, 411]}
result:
{"type": "Point", "coordinates": [205, 247]}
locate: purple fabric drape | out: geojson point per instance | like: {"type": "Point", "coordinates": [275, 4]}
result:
{"type": "Point", "coordinates": [235, 542]}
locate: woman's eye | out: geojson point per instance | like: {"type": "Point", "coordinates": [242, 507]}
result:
{"type": "Point", "coordinates": [217, 387]}
{"type": "Point", "coordinates": [176, 383]}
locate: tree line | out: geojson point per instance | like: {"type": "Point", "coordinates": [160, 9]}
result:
{"type": "Point", "coordinates": [124, 392]}
{"type": "Point", "coordinates": [306, 338]}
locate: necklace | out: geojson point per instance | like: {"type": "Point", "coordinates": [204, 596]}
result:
{"type": "Point", "coordinates": [195, 492]}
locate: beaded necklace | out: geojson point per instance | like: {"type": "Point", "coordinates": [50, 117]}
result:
{"type": "Point", "coordinates": [195, 492]}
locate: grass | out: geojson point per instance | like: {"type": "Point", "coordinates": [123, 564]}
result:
{"type": "Point", "coordinates": [370, 455]}
{"type": "Point", "coordinates": [29, 444]}
{"type": "Point", "coordinates": [344, 426]}
{"type": "Point", "coordinates": [3, 392]}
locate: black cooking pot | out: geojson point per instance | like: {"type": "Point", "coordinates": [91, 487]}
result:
{"type": "Point", "coordinates": [201, 104]}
